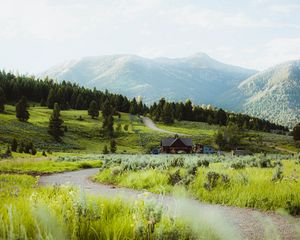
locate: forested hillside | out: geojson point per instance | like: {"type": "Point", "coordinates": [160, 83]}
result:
{"type": "Point", "coordinates": [72, 96]}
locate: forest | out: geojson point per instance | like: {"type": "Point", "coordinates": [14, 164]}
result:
{"type": "Point", "coordinates": [69, 95]}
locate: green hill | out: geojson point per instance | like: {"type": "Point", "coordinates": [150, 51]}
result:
{"type": "Point", "coordinates": [83, 136]}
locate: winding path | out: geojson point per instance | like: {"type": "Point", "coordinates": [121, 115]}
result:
{"type": "Point", "coordinates": [228, 222]}
{"type": "Point", "coordinates": [150, 124]}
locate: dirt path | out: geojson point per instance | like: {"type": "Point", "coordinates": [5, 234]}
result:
{"type": "Point", "coordinates": [150, 124]}
{"type": "Point", "coordinates": [228, 222]}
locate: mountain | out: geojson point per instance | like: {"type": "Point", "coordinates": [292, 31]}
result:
{"type": "Point", "coordinates": [273, 94]}
{"type": "Point", "coordinates": [197, 77]}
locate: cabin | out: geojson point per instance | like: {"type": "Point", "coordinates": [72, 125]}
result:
{"type": "Point", "coordinates": [176, 145]}
{"type": "Point", "coordinates": [205, 149]}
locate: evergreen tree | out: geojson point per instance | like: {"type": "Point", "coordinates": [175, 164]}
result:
{"type": "Point", "coordinates": [43, 103]}
{"type": "Point", "coordinates": [167, 115]}
{"type": "Point", "coordinates": [113, 146]}
{"type": "Point", "coordinates": [105, 150]}
{"type": "Point", "coordinates": [296, 132]}
{"type": "Point", "coordinates": [93, 110]}
{"type": "Point", "coordinates": [219, 139]}
{"type": "Point", "coordinates": [55, 123]}
{"type": "Point", "coordinates": [2, 100]}
{"type": "Point", "coordinates": [51, 98]}
{"type": "Point", "coordinates": [21, 110]}
{"type": "Point", "coordinates": [14, 145]}
{"type": "Point", "coordinates": [133, 107]}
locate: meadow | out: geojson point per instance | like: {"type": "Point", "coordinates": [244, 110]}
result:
{"type": "Point", "coordinates": [268, 182]}
{"type": "Point", "coordinates": [28, 211]}
{"type": "Point", "coordinates": [83, 133]}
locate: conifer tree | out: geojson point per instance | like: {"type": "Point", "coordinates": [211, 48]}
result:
{"type": "Point", "coordinates": [21, 110]}
{"type": "Point", "coordinates": [14, 145]}
{"type": "Point", "coordinates": [55, 124]}
{"type": "Point", "coordinates": [105, 150]}
{"type": "Point", "coordinates": [2, 100]}
{"type": "Point", "coordinates": [113, 146]}
{"type": "Point", "coordinates": [296, 132]}
{"type": "Point", "coordinates": [167, 115]}
{"type": "Point", "coordinates": [93, 110]}
{"type": "Point", "coordinates": [51, 98]}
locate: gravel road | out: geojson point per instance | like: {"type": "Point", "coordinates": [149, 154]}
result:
{"type": "Point", "coordinates": [150, 124]}
{"type": "Point", "coordinates": [228, 222]}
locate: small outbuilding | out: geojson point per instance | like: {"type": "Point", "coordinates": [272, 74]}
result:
{"type": "Point", "coordinates": [176, 145]}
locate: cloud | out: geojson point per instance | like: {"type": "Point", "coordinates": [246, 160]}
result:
{"type": "Point", "coordinates": [285, 9]}
{"type": "Point", "coordinates": [210, 18]}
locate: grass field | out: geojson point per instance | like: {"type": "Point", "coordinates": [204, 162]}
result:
{"type": "Point", "coordinates": [265, 182]}
{"type": "Point", "coordinates": [31, 212]}
{"type": "Point", "coordinates": [84, 136]}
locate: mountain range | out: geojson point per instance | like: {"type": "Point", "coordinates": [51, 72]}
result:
{"type": "Point", "coordinates": [272, 94]}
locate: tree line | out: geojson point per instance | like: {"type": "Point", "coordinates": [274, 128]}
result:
{"type": "Point", "coordinates": [167, 112]}
{"type": "Point", "coordinates": [72, 96]}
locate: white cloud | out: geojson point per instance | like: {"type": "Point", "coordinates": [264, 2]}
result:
{"type": "Point", "coordinates": [285, 9]}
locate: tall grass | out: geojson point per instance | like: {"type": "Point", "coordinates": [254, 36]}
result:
{"type": "Point", "coordinates": [266, 182]}
{"type": "Point", "coordinates": [66, 213]}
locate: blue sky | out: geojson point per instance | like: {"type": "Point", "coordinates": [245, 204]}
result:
{"type": "Point", "coordinates": [36, 34]}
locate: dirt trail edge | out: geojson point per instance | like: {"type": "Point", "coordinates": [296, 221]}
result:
{"type": "Point", "coordinates": [150, 124]}
{"type": "Point", "coordinates": [228, 222]}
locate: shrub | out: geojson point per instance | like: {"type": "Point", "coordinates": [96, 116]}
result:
{"type": "Point", "coordinates": [116, 171]}
{"type": "Point", "coordinates": [278, 174]}
{"type": "Point", "coordinates": [203, 163]}
{"type": "Point", "coordinates": [237, 165]}
{"type": "Point", "coordinates": [212, 180]}
{"type": "Point", "coordinates": [174, 178]}
{"type": "Point", "coordinates": [177, 162]}
{"type": "Point", "coordinates": [85, 165]}
{"type": "Point", "coordinates": [192, 170]}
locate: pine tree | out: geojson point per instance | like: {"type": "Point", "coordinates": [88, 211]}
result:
{"type": "Point", "coordinates": [105, 150]}
{"type": "Point", "coordinates": [296, 132]}
{"type": "Point", "coordinates": [113, 146]}
{"type": "Point", "coordinates": [51, 98]}
{"type": "Point", "coordinates": [55, 124]}
{"type": "Point", "coordinates": [14, 145]}
{"type": "Point", "coordinates": [167, 115]}
{"type": "Point", "coordinates": [2, 100]}
{"type": "Point", "coordinates": [21, 110]}
{"type": "Point", "coordinates": [93, 110]}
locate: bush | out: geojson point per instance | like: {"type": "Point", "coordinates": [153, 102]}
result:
{"type": "Point", "coordinates": [278, 174]}
{"type": "Point", "coordinates": [177, 162]}
{"type": "Point", "coordinates": [85, 165]}
{"type": "Point", "coordinates": [238, 165]}
{"type": "Point", "coordinates": [203, 163]}
{"type": "Point", "coordinates": [174, 178]}
{"type": "Point", "coordinates": [212, 180]}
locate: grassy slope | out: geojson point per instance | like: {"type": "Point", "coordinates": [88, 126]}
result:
{"type": "Point", "coordinates": [83, 136]}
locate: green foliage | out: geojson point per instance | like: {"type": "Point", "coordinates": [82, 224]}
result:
{"type": "Point", "coordinates": [113, 146]}
{"type": "Point", "coordinates": [296, 132]}
{"type": "Point", "coordinates": [105, 150]}
{"type": "Point", "coordinates": [36, 167]}
{"type": "Point", "coordinates": [14, 145]}
{"type": "Point", "coordinates": [167, 114]}
{"type": "Point", "coordinates": [93, 110]}
{"type": "Point", "coordinates": [28, 212]}
{"type": "Point", "coordinates": [238, 181]}
{"type": "Point", "coordinates": [228, 137]}
{"type": "Point", "coordinates": [21, 110]}
{"type": "Point", "coordinates": [55, 124]}
{"type": "Point", "coordinates": [2, 100]}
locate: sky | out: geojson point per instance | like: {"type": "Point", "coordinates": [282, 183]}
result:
{"type": "Point", "coordinates": [37, 34]}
